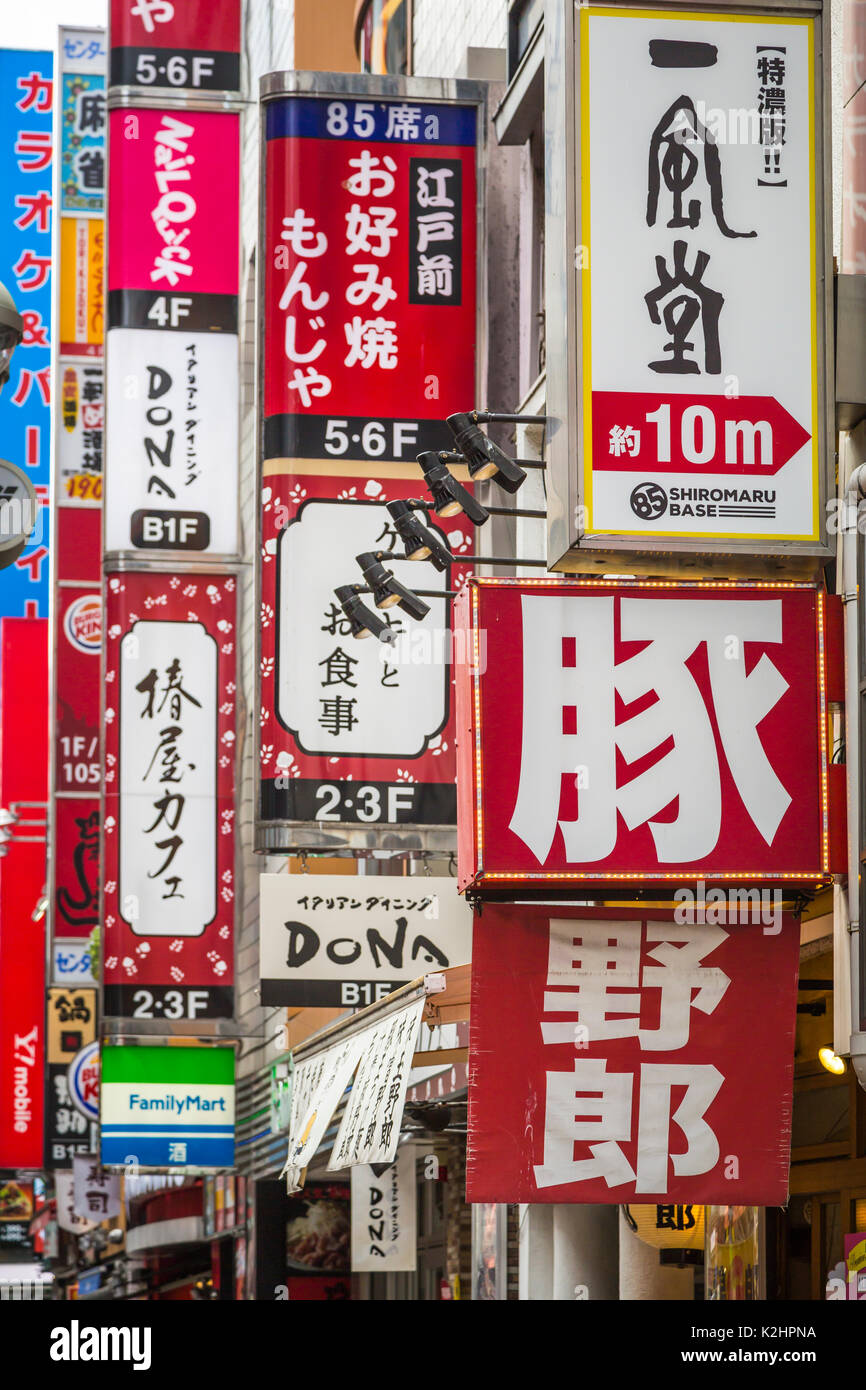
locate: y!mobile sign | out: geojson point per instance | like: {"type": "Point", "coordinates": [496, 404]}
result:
{"type": "Point", "coordinates": [640, 731]}
{"type": "Point", "coordinates": [171, 353]}
{"type": "Point", "coordinates": [700, 250]}
{"type": "Point", "coordinates": [169, 1107]}
{"type": "Point", "coordinates": [370, 297]}
{"type": "Point", "coordinates": [169, 796]}
{"type": "Point", "coordinates": [609, 1061]}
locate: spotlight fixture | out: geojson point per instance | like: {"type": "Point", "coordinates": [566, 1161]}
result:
{"type": "Point", "coordinates": [831, 1061]}
{"type": "Point", "coordinates": [420, 543]}
{"type": "Point", "coordinates": [388, 591]}
{"type": "Point", "coordinates": [449, 496]}
{"type": "Point", "coordinates": [365, 623]}
{"type": "Point", "coordinates": [484, 459]}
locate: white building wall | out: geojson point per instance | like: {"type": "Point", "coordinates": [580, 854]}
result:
{"type": "Point", "coordinates": [442, 30]}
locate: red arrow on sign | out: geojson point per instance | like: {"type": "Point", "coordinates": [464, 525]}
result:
{"type": "Point", "coordinates": [641, 432]}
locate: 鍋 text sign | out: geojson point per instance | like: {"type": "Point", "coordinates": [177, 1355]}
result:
{"type": "Point", "coordinates": [610, 1060]}
{"type": "Point", "coordinates": [637, 731]}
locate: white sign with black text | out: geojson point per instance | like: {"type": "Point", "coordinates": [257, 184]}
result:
{"type": "Point", "coordinates": [340, 940]}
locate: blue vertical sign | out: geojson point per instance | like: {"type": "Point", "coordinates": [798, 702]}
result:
{"type": "Point", "coordinates": [26, 98]}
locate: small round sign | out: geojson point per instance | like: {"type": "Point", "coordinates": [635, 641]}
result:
{"type": "Point", "coordinates": [82, 1079]}
{"type": "Point", "coordinates": [19, 511]}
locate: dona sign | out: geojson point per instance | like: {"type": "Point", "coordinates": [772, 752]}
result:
{"type": "Point", "coordinates": [649, 731]}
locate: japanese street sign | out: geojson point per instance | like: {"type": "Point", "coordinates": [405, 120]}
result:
{"type": "Point", "coordinates": [20, 513]}
{"type": "Point", "coordinates": [170, 1107]}
{"type": "Point", "coordinates": [169, 795]}
{"type": "Point", "coordinates": [23, 791]}
{"type": "Point", "coordinates": [82, 1078]}
{"type": "Point", "coordinates": [326, 940]}
{"type": "Point", "coordinates": [369, 217]}
{"type": "Point", "coordinates": [182, 45]}
{"type": "Point", "coordinates": [384, 1216]}
{"type": "Point", "coordinates": [176, 442]}
{"type": "Point", "coordinates": [625, 731]}
{"type": "Point", "coordinates": [67, 1219]}
{"type": "Point", "coordinates": [96, 1194]}
{"type": "Point", "coordinates": [698, 249]}
{"type": "Point", "coordinates": [71, 963]}
{"type": "Point", "coordinates": [82, 287]}
{"type": "Point", "coordinates": [369, 221]}
{"type": "Point", "coordinates": [353, 732]}
{"type": "Point", "coordinates": [26, 153]}
{"type": "Point", "coordinates": [172, 349]}
{"type": "Point", "coordinates": [609, 1061]}
{"type": "Point", "coordinates": [370, 1128]}
{"type": "Point", "coordinates": [70, 1037]}
{"type": "Point", "coordinates": [82, 59]}
{"type": "Point", "coordinates": [78, 385]}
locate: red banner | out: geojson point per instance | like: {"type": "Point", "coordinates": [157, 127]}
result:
{"type": "Point", "coordinates": [633, 1056]}
{"type": "Point", "coordinates": [642, 731]}
{"type": "Point", "coordinates": [352, 731]}
{"type": "Point", "coordinates": [169, 795]}
{"type": "Point", "coordinates": [23, 793]}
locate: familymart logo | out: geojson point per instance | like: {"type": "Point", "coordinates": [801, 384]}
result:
{"type": "Point", "coordinates": [77, 1343]}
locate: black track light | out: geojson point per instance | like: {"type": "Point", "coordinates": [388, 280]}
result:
{"type": "Point", "coordinates": [449, 496]}
{"type": "Point", "coordinates": [484, 459]}
{"type": "Point", "coordinates": [420, 543]}
{"type": "Point", "coordinates": [365, 623]}
{"type": "Point", "coordinates": [388, 591]}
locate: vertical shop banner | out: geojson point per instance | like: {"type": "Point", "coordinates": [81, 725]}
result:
{"type": "Point", "coordinates": [384, 1216]}
{"type": "Point", "coordinates": [171, 1107]}
{"type": "Point", "coordinates": [338, 942]}
{"type": "Point", "coordinates": [70, 1028]}
{"type": "Point", "coordinates": [23, 793]}
{"type": "Point", "coordinates": [699, 214]}
{"type": "Point", "coordinates": [26, 157]}
{"type": "Point", "coordinates": [609, 1061]}
{"type": "Point", "coordinates": [617, 730]}
{"type": "Point", "coordinates": [182, 45]}
{"type": "Point", "coordinates": [369, 290]}
{"type": "Point", "coordinates": [172, 349]}
{"type": "Point", "coordinates": [78, 407]}
{"type": "Point", "coordinates": [96, 1193]}
{"type": "Point", "coordinates": [171, 674]}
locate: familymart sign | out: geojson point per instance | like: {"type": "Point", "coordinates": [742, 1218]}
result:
{"type": "Point", "coordinates": [168, 1107]}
